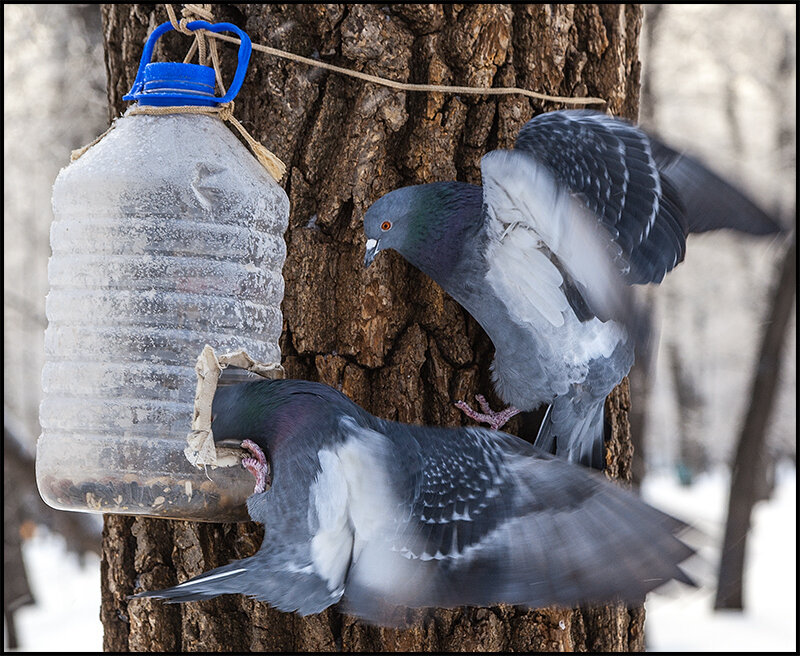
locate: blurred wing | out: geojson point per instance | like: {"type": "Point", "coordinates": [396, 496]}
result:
{"type": "Point", "coordinates": [546, 254]}
{"type": "Point", "coordinates": [302, 563]}
{"type": "Point", "coordinates": [481, 517]}
{"type": "Point", "coordinates": [711, 203]}
{"type": "Point", "coordinates": [609, 163]}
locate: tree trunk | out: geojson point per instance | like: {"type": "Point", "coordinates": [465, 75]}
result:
{"type": "Point", "coordinates": [692, 456]}
{"type": "Point", "coordinates": [640, 380]}
{"type": "Point", "coordinates": [748, 467]}
{"type": "Point", "coordinates": [387, 336]}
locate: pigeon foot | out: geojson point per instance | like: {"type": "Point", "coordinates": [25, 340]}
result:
{"type": "Point", "coordinates": [257, 465]}
{"type": "Point", "coordinates": [496, 420]}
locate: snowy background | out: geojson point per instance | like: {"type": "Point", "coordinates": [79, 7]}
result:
{"type": "Point", "coordinates": [720, 82]}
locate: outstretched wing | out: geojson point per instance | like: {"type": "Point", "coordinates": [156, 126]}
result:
{"type": "Point", "coordinates": [549, 259]}
{"type": "Point", "coordinates": [609, 163]}
{"type": "Point", "coordinates": [401, 516]}
{"type": "Point", "coordinates": [711, 202]}
{"type": "Point", "coordinates": [647, 194]}
{"type": "Point", "coordinates": [478, 517]}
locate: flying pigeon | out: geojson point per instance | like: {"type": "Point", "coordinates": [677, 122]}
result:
{"type": "Point", "coordinates": [543, 254]}
{"type": "Point", "coordinates": [382, 516]}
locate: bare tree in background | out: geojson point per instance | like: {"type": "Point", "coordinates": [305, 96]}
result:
{"type": "Point", "coordinates": [753, 466]}
{"type": "Point", "coordinates": [750, 474]}
{"type": "Point", "coordinates": [692, 457]}
{"type": "Point", "coordinates": [749, 464]}
{"type": "Point", "coordinates": [713, 318]}
{"type": "Point", "coordinates": [388, 337]}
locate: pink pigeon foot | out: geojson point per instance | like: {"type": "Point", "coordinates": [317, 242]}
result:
{"type": "Point", "coordinates": [257, 465]}
{"type": "Point", "coordinates": [496, 420]}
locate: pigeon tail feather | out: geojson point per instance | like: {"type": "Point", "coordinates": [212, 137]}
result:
{"type": "Point", "coordinates": [227, 579]}
{"type": "Point", "coordinates": [575, 430]}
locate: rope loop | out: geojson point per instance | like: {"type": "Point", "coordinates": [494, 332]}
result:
{"type": "Point", "coordinates": [177, 25]}
{"type": "Point", "coordinates": [271, 162]}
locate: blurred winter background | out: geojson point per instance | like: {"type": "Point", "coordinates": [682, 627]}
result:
{"type": "Point", "coordinates": [719, 81]}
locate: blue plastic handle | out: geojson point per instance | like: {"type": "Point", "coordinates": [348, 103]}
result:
{"type": "Point", "coordinates": [241, 68]}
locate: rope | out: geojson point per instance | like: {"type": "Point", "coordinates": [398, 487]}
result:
{"type": "Point", "coordinates": [406, 86]}
{"type": "Point", "coordinates": [192, 12]}
{"type": "Point", "coordinates": [275, 167]}
{"type": "Point", "coordinates": [205, 13]}
{"type": "Point", "coordinates": [75, 154]}
{"type": "Point", "coordinates": [269, 161]}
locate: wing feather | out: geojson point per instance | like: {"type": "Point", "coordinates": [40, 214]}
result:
{"type": "Point", "coordinates": [405, 516]}
{"type": "Point", "coordinates": [610, 164]}
{"type": "Point", "coordinates": [541, 531]}
{"type": "Point", "coordinates": [538, 233]}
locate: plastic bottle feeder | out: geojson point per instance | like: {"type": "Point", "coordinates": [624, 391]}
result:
{"type": "Point", "coordinates": [168, 235]}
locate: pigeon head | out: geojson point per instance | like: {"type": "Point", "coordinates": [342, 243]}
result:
{"type": "Point", "coordinates": [427, 224]}
{"type": "Point", "coordinates": [246, 411]}
{"type": "Point", "coordinates": [277, 415]}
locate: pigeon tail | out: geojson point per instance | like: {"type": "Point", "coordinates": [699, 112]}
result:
{"type": "Point", "coordinates": [574, 429]}
{"type": "Point", "coordinates": [227, 579]}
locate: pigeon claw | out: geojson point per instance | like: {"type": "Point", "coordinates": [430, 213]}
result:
{"type": "Point", "coordinates": [257, 465]}
{"type": "Point", "coordinates": [496, 420]}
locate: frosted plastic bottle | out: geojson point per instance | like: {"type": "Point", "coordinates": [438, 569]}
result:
{"type": "Point", "coordinates": [168, 235]}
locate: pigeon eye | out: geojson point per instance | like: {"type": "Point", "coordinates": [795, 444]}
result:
{"type": "Point", "coordinates": [386, 225]}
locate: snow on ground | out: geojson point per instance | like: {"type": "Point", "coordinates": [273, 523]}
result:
{"type": "Point", "coordinates": [685, 620]}
{"type": "Point", "coordinates": [66, 617]}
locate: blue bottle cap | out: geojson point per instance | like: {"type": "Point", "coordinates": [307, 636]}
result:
{"type": "Point", "coordinates": [170, 83]}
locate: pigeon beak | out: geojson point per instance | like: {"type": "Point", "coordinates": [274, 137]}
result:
{"type": "Point", "coordinates": [371, 251]}
{"type": "Point", "coordinates": [230, 443]}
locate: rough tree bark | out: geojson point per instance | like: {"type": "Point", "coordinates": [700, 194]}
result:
{"type": "Point", "coordinates": [388, 337]}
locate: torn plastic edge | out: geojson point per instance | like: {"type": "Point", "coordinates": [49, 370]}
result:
{"type": "Point", "coordinates": [201, 451]}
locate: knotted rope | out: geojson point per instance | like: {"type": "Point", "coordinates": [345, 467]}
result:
{"type": "Point", "coordinates": [274, 166]}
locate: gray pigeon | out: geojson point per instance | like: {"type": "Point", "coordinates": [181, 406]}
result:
{"type": "Point", "coordinates": [383, 516]}
{"type": "Point", "coordinates": [542, 256]}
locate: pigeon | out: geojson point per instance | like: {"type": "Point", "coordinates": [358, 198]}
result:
{"type": "Point", "coordinates": [543, 255]}
{"type": "Point", "coordinates": [381, 517]}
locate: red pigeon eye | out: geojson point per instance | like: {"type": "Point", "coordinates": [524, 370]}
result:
{"type": "Point", "coordinates": [386, 225]}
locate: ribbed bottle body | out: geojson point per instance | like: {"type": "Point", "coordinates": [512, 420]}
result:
{"type": "Point", "coordinates": [167, 235]}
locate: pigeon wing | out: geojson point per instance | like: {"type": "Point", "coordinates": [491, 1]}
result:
{"type": "Point", "coordinates": [478, 517]}
{"type": "Point", "coordinates": [303, 560]}
{"type": "Point", "coordinates": [610, 165]}
{"type": "Point", "coordinates": [711, 202]}
{"type": "Point", "coordinates": [546, 254]}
